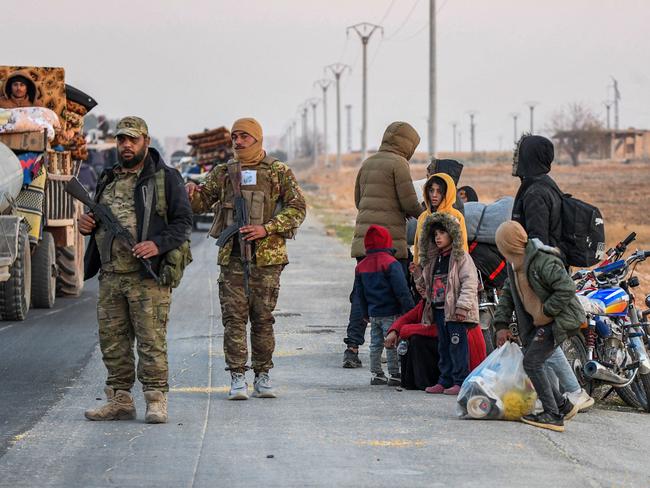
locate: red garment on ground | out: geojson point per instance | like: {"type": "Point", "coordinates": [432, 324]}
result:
{"type": "Point", "coordinates": [410, 324]}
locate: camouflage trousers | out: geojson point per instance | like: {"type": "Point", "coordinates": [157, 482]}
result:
{"type": "Point", "coordinates": [131, 308]}
{"type": "Point", "coordinates": [264, 286]}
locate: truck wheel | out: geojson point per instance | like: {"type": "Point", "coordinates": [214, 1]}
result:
{"type": "Point", "coordinates": [71, 268]}
{"type": "Point", "coordinates": [15, 293]}
{"type": "Point", "coordinates": [44, 273]}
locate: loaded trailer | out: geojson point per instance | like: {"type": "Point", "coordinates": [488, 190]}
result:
{"type": "Point", "coordinates": [41, 250]}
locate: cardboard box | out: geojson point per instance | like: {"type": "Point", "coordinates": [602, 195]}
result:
{"type": "Point", "coordinates": [25, 141]}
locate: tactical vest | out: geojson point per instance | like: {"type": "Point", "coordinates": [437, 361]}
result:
{"type": "Point", "coordinates": [260, 188]}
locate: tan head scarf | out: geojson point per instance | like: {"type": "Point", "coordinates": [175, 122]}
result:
{"type": "Point", "coordinates": [511, 239]}
{"type": "Point", "coordinates": [252, 154]}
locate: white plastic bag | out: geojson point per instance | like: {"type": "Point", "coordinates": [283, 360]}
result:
{"type": "Point", "coordinates": [498, 388]}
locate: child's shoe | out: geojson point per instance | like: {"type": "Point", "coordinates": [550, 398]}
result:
{"type": "Point", "coordinates": [436, 390]}
{"type": "Point", "coordinates": [378, 379]}
{"type": "Point", "coordinates": [454, 390]}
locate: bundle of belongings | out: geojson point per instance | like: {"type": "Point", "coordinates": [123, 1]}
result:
{"type": "Point", "coordinates": [28, 119]}
{"type": "Point", "coordinates": [211, 147]}
{"type": "Point", "coordinates": [498, 389]}
{"type": "Point", "coordinates": [482, 221]}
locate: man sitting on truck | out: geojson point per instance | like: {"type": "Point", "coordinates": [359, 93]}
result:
{"type": "Point", "coordinates": [19, 91]}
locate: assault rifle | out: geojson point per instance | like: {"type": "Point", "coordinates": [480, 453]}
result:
{"type": "Point", "coordinates": [104, 215]}
{"type": "Point", "coordinates": [241, 218]}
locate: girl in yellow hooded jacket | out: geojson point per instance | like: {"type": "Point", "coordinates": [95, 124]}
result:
{"type": "Point", "coordinates": [439, 196]}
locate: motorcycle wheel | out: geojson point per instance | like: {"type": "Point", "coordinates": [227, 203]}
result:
{"type": "Point", "coordinates": [576, 353]}
{"type": "Point", "coordinates": [636, 394]}
{"type": "Point", "coordinates": [644, 382]}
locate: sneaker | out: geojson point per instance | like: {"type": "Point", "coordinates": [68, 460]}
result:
{"type": "Point", "coordinates": [119, 406]}
{"type": "Point", "coordinates": [351, 359]}
{"type": "Point", "coordinates": [568, 410]}
{"type": "Point", "coordinates": [453, 390]}
{"type": "Point", "coordinates": [582, 399]}
{"type": "Point", "coordinates": [545, 420]}
{"type": "Point", "coordinates": [262, 387]}
{"type": "Point", "coordinates": [238, 387]}
{"type": "Point", "coordinates": [395, 380]}
{"type": "Point", "coordinates": [436, 390]}
{"type": "Point", "coordinates": [378, 379]}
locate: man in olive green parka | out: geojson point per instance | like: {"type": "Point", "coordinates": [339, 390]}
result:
{"type": "Point", "coordinates": [384, 195]}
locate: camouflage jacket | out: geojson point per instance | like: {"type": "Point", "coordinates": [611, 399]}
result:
{"type": "Point", "coordinates": [279, 185]}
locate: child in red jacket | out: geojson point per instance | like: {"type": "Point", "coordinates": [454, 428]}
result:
{"type": "Point", "coordinates": [383, 295]}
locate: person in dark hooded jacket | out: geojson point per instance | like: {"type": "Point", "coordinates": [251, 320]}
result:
{"type": "Point", "coordinates": [538, 205]}
{"type": "Point", "coordinates": [538, 208]}
{"type": "Point", "coordinates": [383, 295]}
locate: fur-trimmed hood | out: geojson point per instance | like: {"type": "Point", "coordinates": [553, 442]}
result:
{"type": "Point", "coordinates": [427, 247]}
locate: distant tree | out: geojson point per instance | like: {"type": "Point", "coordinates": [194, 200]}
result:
{"type": "Point", "coordinates": [577, 130]}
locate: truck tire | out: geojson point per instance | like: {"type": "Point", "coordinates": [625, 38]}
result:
{"type": "Point", "coordinates": [44, 273]}
{"type": "Point", "coordinates": [15, 293]}
{"type": "Point", "coordinates": [71, 268]}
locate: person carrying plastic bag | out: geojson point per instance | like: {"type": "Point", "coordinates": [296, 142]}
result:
{"type": "Point", "coordinates": [543, 295]}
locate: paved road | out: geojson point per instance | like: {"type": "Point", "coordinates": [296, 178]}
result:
{"type": "Point", "coordinates": [328, 427]}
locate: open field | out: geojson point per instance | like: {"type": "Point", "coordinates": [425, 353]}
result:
{"type": "Point", "coordinates": [618, 190]}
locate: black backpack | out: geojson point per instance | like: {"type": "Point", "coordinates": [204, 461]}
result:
{"type": "Point", "coordinates": [583, 232]}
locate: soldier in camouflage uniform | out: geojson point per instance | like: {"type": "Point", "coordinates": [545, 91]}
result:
{"type": "Point", "coordinates": [277, 208]}
{"type": "Point", "coordinates": [131, 304]}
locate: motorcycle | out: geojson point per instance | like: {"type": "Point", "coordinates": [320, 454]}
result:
{"type": "Point", "coordinates": [611, 348]}
{"type": "Point", "coordinates": [488, 299]}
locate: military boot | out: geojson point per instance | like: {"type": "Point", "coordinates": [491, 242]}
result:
{"type": "Point", "coordinates": [156, 407]}
{"type": "Point", "coordinates": [119, 406]}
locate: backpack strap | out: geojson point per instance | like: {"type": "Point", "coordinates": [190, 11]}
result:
{"type": "Point", "coordinates": [478, 226]}
{"type": "Point", "coordinates": [161, 198]}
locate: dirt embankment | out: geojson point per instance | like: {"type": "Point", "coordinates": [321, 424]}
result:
{"type": "Point", "coordinates": [619, 190]}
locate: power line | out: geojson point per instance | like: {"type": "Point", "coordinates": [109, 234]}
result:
{"type": "Point", "coordinates": [390, 7]}
{"type": "Point", "coordinates": [420, 30]}
{"type": "Point", "coordinates": [408, 17]}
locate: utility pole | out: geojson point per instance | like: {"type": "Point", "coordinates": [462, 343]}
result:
{"type": "Point", "coordinates": [304, 139]}
{"type": "Point", "coordinates": [608, 106]}
{"type": "Point", "coordinates": [324, 84]}
{"type": "Point", "coordinates": [348, 108]}
{"type": "Point", "coordinates": [289, 142]}
{"type": "Point", "coordinates": [472, 128]}
{"type": "Point", "coordinates": [337, 69]}
{"type": "Point", "coordinates": [617, 97]}
{"type": "Point", "coordinates": [365, 31]}
{"type": "Point", "coordinates": [531, 107]}
{"type": "Point", "coordinates": [460, 141]}
{"type": "Point", "coordinates": [515, 116]}
{"type": "Point", "coordinates": [314, 103]}
{"type": "Point", "coordinates": [432, 78]}
{"type": "Point", "coordinates": [454, 125]}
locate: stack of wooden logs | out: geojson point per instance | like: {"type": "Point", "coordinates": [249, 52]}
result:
{"type": "Point", "coordinates": [210, 147]}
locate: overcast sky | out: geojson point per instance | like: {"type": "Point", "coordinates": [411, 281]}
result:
{"type": "Point", "coordinates": [187, 65]}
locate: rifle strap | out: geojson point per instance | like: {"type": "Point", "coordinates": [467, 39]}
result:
{"type": "Point", "coordinates": [234, 172]}
{"type": "Point", "coordinates": [147, 197]}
